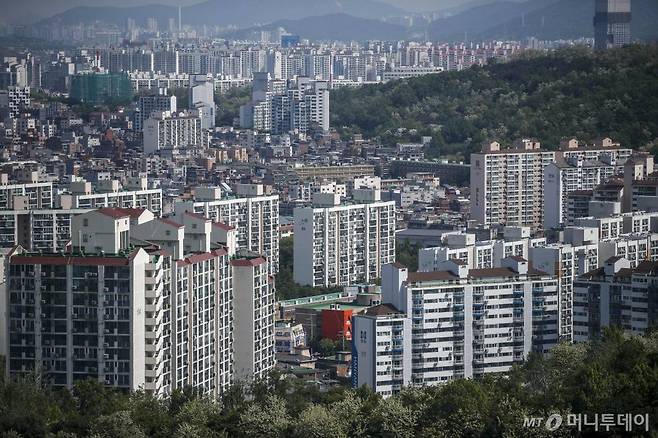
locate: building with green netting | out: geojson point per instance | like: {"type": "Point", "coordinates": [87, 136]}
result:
{"type": "Point", "coordinates": [100, 88]}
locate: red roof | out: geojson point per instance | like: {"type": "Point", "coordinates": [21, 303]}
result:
{"type": "Point", "coordinates": [248, 262]}
{"type": "Point", "coordinates": [201, 257]}
{"type": "Point", "coordinates": [170, 222]}
{"type": "Point", "coordinates": [134, 213]}
{"type": "Point", "coordinates": [223, 226]}
{"type": "Point", "coordinates": [116, 213]}
{"type": "Point", "coordinates": [196, 215]}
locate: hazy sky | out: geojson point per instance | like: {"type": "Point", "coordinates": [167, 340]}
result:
{"type": "Point", "coordinates": [23, 10]}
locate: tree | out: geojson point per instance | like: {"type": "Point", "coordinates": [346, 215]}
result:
{"type": "Point", "coordinates": [316, 421]}
{"type": "Point", "coordinates": [116, 425]}
{"type": "Point", "coordinates": [268, 418]}
{"type": "Point", "coordinates": [392, 419]}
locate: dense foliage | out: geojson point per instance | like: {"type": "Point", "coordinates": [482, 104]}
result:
{"type": "Point", "coordinates": [571, 92]}
{"type": "Point", "coordinates": [229, 103]}
{"type": "Point", "coordinates": [286, 288]}
{"type": "Point", "coordinates": [407, 254]}
{"type": "Point", "coordinates": [614, 375]}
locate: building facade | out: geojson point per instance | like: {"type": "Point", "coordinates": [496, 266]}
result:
{"type": "Point", "coordinates": [344, 244]}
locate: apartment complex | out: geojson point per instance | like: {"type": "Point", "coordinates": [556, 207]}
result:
{"type": "Point", "coordinates": [132, 314]}
{"type": "Point", "coordinates": [341, 245]}
{"type": "Point", "coordinates": [278, 107]}
{"type": "Point", "coordinates": [565, 176]}
{"type": "Point", "coordinates": [255, 219]}
{"type": "Point", "coordinates": [90, 314]}
{"type": "Point", "coordinates": [254, 332]}
{"type": "Point", "coordinates": [618, 295]}
{"type": "Point", "coordinates": [453, 323]}
{"type": "Point", "coordinates": [507, 185]}
{"type": "Point", "coordinates": [171, 130]}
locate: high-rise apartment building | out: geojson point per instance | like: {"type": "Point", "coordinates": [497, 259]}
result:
{"type": "Point", "coordinates": [618, 295]}
{"type": "Point", "coordinates": [97, 312]}
{"type": "Point", "coordinates": [254, 317]}
{"type": "Point", "coordinates": [278, 108]}
{"type": "Point", "coordinates": [341, 245]}
{"type": "Point", "coordinates": [453, 323]}
{"type": "Point", "coordinates": [167, 130]}
{"type": "Point", "coordinates": [565, 176]}
{"type": "Point", "coordinates": [612, 23]}
{"type": "Point", "coordinates": [507, 185]}
{"type": "Point", "coordinates": [140, 302]}
{"type": "Point", "coordinates": [110, 193]}
{"type": "Point", "coordinates": [254, 218]}
{"type": "Point", "coordinates": [147, 105]}
{"type": "Point", "coordinates": [202, 322]}
{"type": "Point", "coordinates": [13, 100]}
{"type": "Point", "coordinates": [202, 99]}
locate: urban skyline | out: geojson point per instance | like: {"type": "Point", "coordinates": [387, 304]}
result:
{"type": "Point", "coordinates": [373, 223]}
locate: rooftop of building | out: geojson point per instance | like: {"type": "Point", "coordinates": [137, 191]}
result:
{"type": "Point", "coordinates": [382, 310]}
{"type": "Point", "coordinates": [473, 274]}
{"type": "Point", "coordinates": [646, 267]}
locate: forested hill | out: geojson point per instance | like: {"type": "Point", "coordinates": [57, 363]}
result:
{"type": "Point", "coordinates": [616, 375]}
{"type": "Point", "coordinates": [571, 92]}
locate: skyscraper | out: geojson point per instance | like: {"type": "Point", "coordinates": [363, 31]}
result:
{"type": "Point", "coordinates": [612, 23]}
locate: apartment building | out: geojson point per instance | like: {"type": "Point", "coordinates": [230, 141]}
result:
{"type": "Point", "coordinates": [167, 130]}
{"type": "Point", "coordinates": [95, 313]}
{"type": "Point", "coordinates": [604, 200]}
{"type": "Point", "coordinates": [340, 245]}
{"type": "Point", "coordinates": [14, 100]}
{"type": "Point", "coordinates": [381, 351]}
{"type": "Point", "coordinates": [139, 302]}
{"type": "Point", "coordinates": [255, 219]}
{"type": "Point", "coordinates": [254, 308]}
{"type": "Point", "coordinates": [134, 194]}
{"type": "Point", "coordinates": [25, 195]}
{"type": "Point", "coordinates": [616, 295]}
{"type": "Point", "coordinates": [478, 254]}
{"type": "Point", "coordinates": [568, 175]}
{"type": "Point", "coordinates": [453, 323]}
{"type": "Point", "coordinates": [507, 185]}
{"type": "Point", "coordinates": [202, 322]}
{"type": "Point", "coordinates": [147, 105]}
{"type": "Point", "coordinates": [405, 72]}
{"type": "Point", "coordinates": [37, 230]}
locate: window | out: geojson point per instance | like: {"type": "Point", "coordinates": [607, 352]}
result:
{"type": "Point", "coordinates": [85, 223]}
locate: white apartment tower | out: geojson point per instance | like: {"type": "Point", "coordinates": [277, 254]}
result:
{"type": "Point", "coordinates": [507, 185]}
{"type": "Point", "coordinates": [173, 130]}
{"type": "Point", "coordinates": [254, 318]}
{"type": "Point", "coordinates": [453, 323]}
{"type": "Point", "coordinates": [343, 244]}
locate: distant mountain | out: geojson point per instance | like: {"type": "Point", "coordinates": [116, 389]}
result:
{"type": "Point", "coordinates": [240, 13]}
{"type": "Point", "coordinates": [544, 19]}
{"type": "Point", "coordinates": [332, 27]}
{"type": "Point", "coordinates": [472, 23]}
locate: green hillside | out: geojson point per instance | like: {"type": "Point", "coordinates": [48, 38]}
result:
{"type": "Point", "coordinates": [571, 92]}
